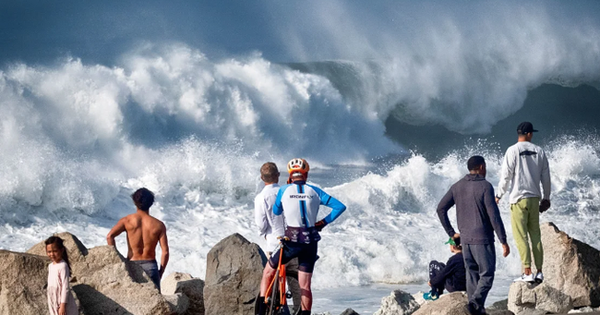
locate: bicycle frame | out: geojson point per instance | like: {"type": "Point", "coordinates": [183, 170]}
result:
{"type": "Point", "coordinates": [275, 297]}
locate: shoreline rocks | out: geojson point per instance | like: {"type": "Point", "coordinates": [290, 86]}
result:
{"type": "Point", "coordinates": [398, 303]}
{"type": "Point", "coordinates": [104, 282]}
{"type": "Point", "coordinates": [572, 277]}
{"type": "Point", "coordinates": [233, 274]}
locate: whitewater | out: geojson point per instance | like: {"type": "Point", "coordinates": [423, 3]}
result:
{"type": "Point", "coordinates": [386, 129]}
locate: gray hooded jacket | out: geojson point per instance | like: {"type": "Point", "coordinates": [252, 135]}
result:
{"type": "Point", "coordinates": [477, 213]}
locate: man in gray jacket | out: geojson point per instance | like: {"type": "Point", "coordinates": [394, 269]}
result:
{"type": "Point", "coordinates": [525, 165]}
{"type": "Point", "coordinates": [478, 217]}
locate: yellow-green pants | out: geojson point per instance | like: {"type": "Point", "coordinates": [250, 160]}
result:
{"type": "Point", "coordinates": [525, 219]}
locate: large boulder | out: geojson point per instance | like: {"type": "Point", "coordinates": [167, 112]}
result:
{"type": "Point", "coordinates": [233, 274]}
{"type": "Point", "coordinates": [571, 267]}
{"type": "Point", "coordinates": [106, 283]}
{"type": "Point", "coordinates": [448, 304]}
{"type": "Point", "coordinates": [525, 298]}
{"type": "Point", "coordinates": [398, 303]}
{"type": "Point", "coordinates": [188, 286]}
{"type": "Point", "coordinates": [178, 303]}
{"type": "Point", "coordinates": [22, 284]}
{"type": "Point", "coordinates": [499, 308]}
{"type": "Point", "coordinates": [75, 249]}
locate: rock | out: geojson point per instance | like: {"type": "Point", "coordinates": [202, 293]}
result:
{"type": "Point", "coordinates": [499, 305]}
{"type": "Point", "coordinates": [585, 309]}
{"type": "Point", "coordinates": [194, 290]}
{"type": "Point", "coordinates": [448, 304]}
{"type": "Point", "coordinates": [499, 308]}
{"type": "Point", "coordinates": [179, 303]}
{"type": "Point", "coordinates": [571, 267]}
{"type": "Point", "coordinates": [349, 311]}
{"type": "Point", "coordinates": [551, 300]}
{"type": "Point", "coordinates": [106, 283]}
{"type": "Point", "coordinates": [532, 312]}
{"type": "Point", "coordinates": [168, 284]}
{"type": "Point", "coordinates": [75, 249]}
{"type": "Point", "coordinates": [398, 303]}
{"type": "Point", "coordinates": [233, 274]}
{"type": "Point", "coordinates": [112, 286]}
{"type": "Point", "coordinates": [187, 285]}
{"type": "Point", "coordinates": [419, 297]}
{"type": "Point", "coordinates": [524, 297]}
{"type": "Point", "coordinates": [22, 283]}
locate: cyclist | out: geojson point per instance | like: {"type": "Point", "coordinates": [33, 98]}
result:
{"type": "Point", "coordinates": [299, 203]}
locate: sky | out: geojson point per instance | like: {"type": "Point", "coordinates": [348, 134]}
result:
{"type": "Point", "coordinates": [282, 31]}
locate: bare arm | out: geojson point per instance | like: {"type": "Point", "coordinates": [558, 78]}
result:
{"type": "Point", "coordinates": [115, 231]}
{"type": "Point", "coordinates": [164, 246]}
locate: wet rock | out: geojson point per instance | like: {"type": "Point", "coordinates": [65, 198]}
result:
{"type": "Point", "coordinates": [233, 274]}
{"type": "Point", "coordinates": [398, 303]}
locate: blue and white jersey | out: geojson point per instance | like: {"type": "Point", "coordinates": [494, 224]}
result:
{"type": "Point", "coordinates": [301, 202]}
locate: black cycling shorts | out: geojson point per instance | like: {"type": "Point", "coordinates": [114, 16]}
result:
{"type": "Point", "coordinates": [306, 253]}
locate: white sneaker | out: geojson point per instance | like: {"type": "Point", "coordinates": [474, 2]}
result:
{"type": "Point", "coordinates": [539, 277]}
{"type": "Point", "coordinates": [525, 278]}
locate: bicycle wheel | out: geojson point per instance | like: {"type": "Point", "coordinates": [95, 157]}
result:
{"type": "Point", "coordinates": [274, 306]}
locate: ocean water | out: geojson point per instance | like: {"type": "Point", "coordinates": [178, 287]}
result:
{"type": "Point", "coordinates": [386, 106]}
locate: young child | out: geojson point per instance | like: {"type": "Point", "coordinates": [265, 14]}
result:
{"type": "Point", "coordinates": [60, 299]}
{"type": "Point", "coordinates": [452, 276]}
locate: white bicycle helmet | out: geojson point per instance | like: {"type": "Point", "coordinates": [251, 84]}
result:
{"type": "Point", "coordinates": [298, 165]}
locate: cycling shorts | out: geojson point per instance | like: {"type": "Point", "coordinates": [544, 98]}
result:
{"type": "Point", "coordinates": [306, 253]}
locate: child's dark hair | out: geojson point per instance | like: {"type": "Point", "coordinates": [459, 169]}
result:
{"type": "Point", "coordinates": [143, 199]}
{"type": "Point", "coordinates": [59, 242]}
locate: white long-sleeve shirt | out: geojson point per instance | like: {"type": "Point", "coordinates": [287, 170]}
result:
{"type": "Point", "coordinates": [525, 166]}
{"type": "Point", "coordinates": [269, 225]}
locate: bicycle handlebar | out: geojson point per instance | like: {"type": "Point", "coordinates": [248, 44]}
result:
{"type": "Point", "coordinates": [283, 238]}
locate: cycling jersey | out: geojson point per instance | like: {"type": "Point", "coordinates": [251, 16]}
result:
{"type": "Point", "coordinates": [301, 202]}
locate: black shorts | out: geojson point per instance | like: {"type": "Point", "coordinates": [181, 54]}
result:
{"type": "Point", "coordinates": [306, 253]}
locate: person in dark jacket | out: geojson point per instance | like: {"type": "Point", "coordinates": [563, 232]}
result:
{"type": "Point", "coordinates": [478, 217]}
{"type": "Point", "coordinates": [451, 275]}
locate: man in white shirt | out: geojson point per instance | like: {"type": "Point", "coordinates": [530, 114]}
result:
{"type": "Point", "coordinates": [270, 225]}
{"type": "Point", "coordinates": [526, 166]}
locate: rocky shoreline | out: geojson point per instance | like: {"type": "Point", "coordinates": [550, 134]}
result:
{"type": "Point", "coordinates": [104, 282]}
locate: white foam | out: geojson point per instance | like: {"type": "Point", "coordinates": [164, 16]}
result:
{"type": "Point", "coordinates": [77, 139]}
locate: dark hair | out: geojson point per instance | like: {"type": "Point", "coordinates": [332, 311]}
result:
{"type": "Point", "coordinates": [143, 199]}
{"type": "Point", "coordinates": [59, 242]}
{"type": "Point", "coordinates": [475, 162]}
{"type": "Point", "coordinates": [269, 172]}
{"type": "Point", "coordinates": [457, 242]}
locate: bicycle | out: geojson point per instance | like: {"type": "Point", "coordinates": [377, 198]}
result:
{"type": "Point", "coordinates": [276, 295]}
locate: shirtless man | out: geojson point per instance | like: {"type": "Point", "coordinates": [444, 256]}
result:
{"type": "Point", "coordinates": [143, 233]}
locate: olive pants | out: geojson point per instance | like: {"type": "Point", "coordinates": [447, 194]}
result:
{"type": "Point", "coordinates": [525, 219]}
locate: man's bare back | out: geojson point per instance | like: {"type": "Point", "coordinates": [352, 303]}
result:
{"type": "Point", "coordinates": [144, 232]}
